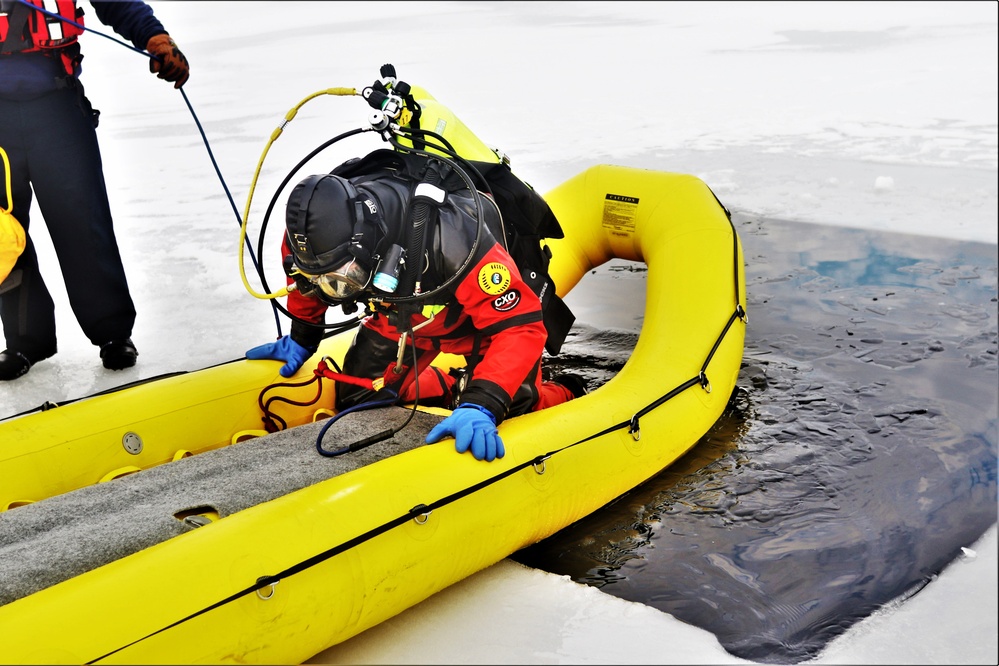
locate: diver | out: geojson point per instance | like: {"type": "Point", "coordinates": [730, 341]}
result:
{"type": "Point", "coordinates": [447, 286]}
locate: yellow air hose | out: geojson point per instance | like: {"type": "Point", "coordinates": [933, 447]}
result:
{"type": "Point", "coordinates": [343, 92]}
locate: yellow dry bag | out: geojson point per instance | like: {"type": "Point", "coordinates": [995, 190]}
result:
{"type": "Point", "coordinates": [11, 231]}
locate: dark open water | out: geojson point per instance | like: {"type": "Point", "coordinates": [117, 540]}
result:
{"type": "Point", "coordinates": [857, 455]}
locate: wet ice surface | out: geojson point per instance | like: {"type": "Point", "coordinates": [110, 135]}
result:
{"type": "Point", "coordinates": [856, 458]}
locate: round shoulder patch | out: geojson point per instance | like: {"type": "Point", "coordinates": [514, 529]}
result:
{"type": "Point", "coordinates": [494, 278]}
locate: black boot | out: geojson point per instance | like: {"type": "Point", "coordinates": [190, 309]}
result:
{"type": "Point", "coordinates": [14, 364]}
{"type": "Point", "coordinates": [119, 354]}
{"type": "Point", "coordinates": [574, 383]}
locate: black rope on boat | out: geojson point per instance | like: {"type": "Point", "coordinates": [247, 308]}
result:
{"type": "Point", "coordinates": [633, 424]}
{"type": "Point", "coordinates": [718, 341]}
{"type": "Point", "coordinates": [48, 404]}
{"type": "Point", "coordinates": [739, 310]}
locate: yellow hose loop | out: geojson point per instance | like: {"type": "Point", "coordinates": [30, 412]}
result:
{"type": "Point", "coordinates": [341, 92]}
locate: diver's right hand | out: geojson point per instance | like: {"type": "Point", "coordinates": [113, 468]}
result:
{"type": "Point", "coordinates": [285, 349]}
{"type": "Point", "coordinates": [473, 428]}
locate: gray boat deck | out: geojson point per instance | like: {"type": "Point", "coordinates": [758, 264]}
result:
{"type": "Point", "coordinates": [50, 541]}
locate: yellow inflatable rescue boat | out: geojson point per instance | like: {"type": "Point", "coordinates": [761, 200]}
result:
{"type": "Point", "coordinates": [159, 524]}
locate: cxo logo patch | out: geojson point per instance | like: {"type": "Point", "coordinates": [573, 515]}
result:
{"type": "Point", "coordinates": [507, 301]}
{"type": "Point", "coordinates": [494, 278]}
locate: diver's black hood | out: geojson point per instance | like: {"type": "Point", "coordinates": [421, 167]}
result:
{"type": "Point", "coordinates": [330, 219]}
{"type": "Point", "coordinates": [320, 219]}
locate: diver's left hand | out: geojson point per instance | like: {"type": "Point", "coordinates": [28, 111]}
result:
{"type": "Point", "coordinates": [473, 427]}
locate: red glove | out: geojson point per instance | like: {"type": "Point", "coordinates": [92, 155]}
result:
{"type": "Point", "coordinates": [169, 63]}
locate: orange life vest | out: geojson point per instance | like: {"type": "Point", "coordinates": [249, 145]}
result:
{"type": "Point", "coordinates": [46, 32]}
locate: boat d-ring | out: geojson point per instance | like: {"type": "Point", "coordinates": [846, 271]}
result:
{"type": "Point", "coordinates": [705, 384]}
{"type": "Point", "coordinates": [270, 588]}
{"type": "Point", "coordinates": [635, 429]}
{"type": "Point", "coordinates": [421, 514]}
{"type": "Point", "coordinates": [539, 464]}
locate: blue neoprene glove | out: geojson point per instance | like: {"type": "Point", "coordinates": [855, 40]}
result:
{"type": "Point", "coordinates": [472, 427]}
{"type": "Point", "coordinates": [285, 349]}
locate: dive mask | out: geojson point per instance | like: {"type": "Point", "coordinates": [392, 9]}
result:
{"type": "Point", "coordinates": [343, 283]}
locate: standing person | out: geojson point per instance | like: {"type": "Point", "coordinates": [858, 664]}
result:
{"type": "Point", "coordinates": [48, 128]}
{"type": "Point", "coordinates": [343, 236]}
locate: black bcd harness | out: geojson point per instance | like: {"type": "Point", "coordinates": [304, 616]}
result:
{"type": "Point", "coordinates": [527, 221]}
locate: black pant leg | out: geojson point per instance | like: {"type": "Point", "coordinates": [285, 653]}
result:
{"type": "Point", "coordinates": [26, 307]}
{"type": "Point", "coordinates": [66, 172]}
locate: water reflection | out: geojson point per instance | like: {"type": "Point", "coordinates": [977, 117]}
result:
{"type": "Point", "coordinates": [605, 539]}
{"type": "Point", "coordinates": [856, 459]}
